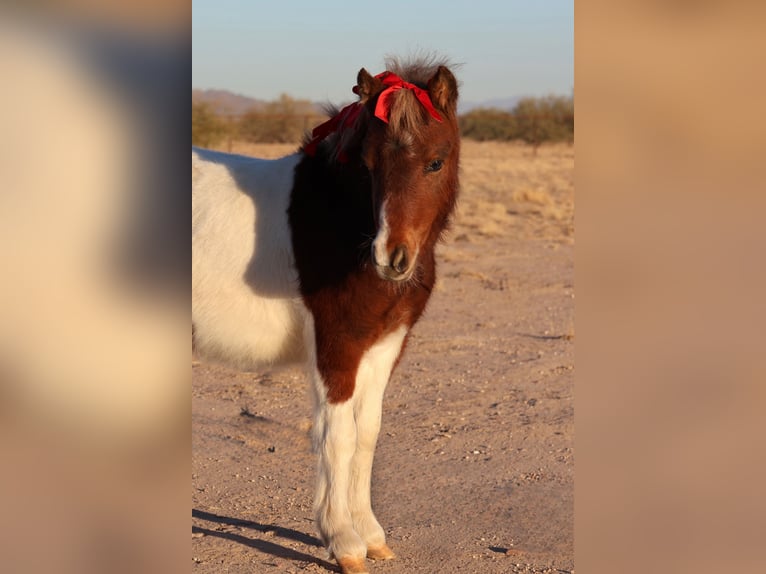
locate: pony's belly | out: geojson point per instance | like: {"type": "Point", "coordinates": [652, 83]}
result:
{"type": "Point", "coordinates": [249, 331]}
{"type": "Point", "coordinates": [245, 312]}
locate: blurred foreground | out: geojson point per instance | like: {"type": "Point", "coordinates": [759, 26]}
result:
{"type": "Point", "coordinates": [94, 329]}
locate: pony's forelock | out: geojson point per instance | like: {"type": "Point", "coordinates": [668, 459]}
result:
{"type": "Point", "coordinates": [406, 118]}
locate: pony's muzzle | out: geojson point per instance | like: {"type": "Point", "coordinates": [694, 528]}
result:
{"type": "Point", "coordinates": [397, 265]}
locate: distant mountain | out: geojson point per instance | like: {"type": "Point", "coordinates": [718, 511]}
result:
{"type": "Point", "coordinates": [227, 103]}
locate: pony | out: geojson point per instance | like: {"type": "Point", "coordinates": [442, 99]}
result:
{"type": "Point", "coordinates": [326, 256]}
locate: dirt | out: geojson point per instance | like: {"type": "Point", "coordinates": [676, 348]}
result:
{"type": "Point", "coordinates": [474, 470]}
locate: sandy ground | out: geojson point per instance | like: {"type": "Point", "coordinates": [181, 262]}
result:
{"type": "Point", "coordinates": [474, 470]}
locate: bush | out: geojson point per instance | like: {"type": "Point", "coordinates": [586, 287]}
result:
{"type": "Point", "coordinates": [282, 121]}
{"type": "Point", "coordinates": [545, 119]}
{"type": "Point", "coordinates": [533, 120]}
{"type": "Point", "coordinates": [488, 124]}
{"type": "Point", "coordinates": [207, 128]}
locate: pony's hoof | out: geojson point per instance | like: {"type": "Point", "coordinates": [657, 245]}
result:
{"type": "Point", "coordinates": [380, 553]}
{"type": "Point", "coordinates": [352, 565]}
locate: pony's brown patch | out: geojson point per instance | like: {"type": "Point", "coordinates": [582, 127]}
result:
{"type": "Point", "coordinates": [337, 192]}
{"type": "Point", "coordinates": [340, 145]}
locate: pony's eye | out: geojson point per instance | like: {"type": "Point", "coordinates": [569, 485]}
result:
{"type": "Point", "coordinates": [435, 165]}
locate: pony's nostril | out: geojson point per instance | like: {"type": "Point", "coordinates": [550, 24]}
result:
{"type": "Point", "coordinates": [399, 260]}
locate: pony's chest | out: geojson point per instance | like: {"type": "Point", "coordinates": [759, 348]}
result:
{"type": "Point", "coordinates": [365, 306]}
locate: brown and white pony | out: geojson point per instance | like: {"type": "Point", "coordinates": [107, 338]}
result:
{"type": "Point", "coordinates": [327, 256]}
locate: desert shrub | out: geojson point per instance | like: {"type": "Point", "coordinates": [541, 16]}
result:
{"type": "Point", "coordinates": [545, 119]}
{"type": "Point", "coordinates": [207, 127]}
{"type": "Point", "coordinates": [488, 124]}
{"type": "Point", "coordinates": [282, 121]}
{"type": "Point", "coordinates": [532, 120]}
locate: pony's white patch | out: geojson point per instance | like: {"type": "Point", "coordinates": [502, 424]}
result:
{"type": "Point", "coordinates": [345, 435]}
{"type": "Point", "coordinates": [246, 307]}
{"type": "Point", "coordinates": [371, 380]}
{"type": "Point", "coordinates": [380, 244]}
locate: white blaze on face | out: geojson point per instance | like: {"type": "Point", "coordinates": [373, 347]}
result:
{"type": "Point", "coordinates": [380, 245]}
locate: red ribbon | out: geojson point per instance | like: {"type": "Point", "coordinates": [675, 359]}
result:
{"type": "Point", "coordinates": [347, 116]}
{"type": "Point", "coordinates": [395, 83]}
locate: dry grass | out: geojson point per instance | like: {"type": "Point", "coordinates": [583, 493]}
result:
{"type": "Point", "coordinates": [505, 184]}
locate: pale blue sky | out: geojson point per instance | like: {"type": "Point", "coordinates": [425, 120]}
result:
{"type": "Point", "coordinates": [313, 50]}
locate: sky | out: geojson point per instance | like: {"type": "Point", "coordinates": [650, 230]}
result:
{"type": "Point", "coordinates": [313, 50]}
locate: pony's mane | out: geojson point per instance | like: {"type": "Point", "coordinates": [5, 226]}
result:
{"type": "Point", "coordinates": [407, 115]}
{"type": "Point", "coordinates": [417, 69]}
{"type": "Point", "coordinates": [339, 144]}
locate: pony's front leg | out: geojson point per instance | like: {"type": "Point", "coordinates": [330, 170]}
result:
{"type": "Point", "coordinates": [367, 415]}
{"type": "Point", "coordinates": [371, 380]}
{"type": "Point", "coordinates": [335, 438]}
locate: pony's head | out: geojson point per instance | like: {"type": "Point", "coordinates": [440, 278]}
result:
{"type": "Point", "coordinates": [413, 162]}
{"type": "Point", "coordinates": [404, 130]}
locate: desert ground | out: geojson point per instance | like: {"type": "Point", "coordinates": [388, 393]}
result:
{"type": "Point", "coordinates": [474, 470]}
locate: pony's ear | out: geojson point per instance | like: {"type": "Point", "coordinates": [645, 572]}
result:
{"type": "Point", "coordinates": [442, 87]}
{"type": "Point", "coordinates": [366, 85]}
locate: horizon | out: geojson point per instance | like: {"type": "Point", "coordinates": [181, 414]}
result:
{"type": "Point", "coordinates": [315, 64]}
{"type": "Point", "coordinates": [505, 104]}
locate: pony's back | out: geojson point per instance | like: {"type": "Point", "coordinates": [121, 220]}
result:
{"type": "Point", "coordinates": [246, 309]}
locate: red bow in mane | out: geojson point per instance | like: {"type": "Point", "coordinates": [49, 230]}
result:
{"type": "Point", "coordinates": [347, 116]}
{"type": "Point", "coordinates": [394, 83]}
